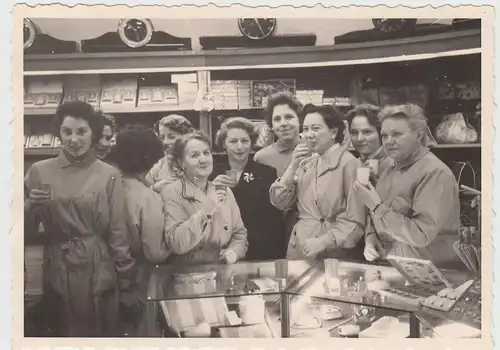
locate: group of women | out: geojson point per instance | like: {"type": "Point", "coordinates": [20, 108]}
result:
{"type": "Point", "coordinates": [157, 197]}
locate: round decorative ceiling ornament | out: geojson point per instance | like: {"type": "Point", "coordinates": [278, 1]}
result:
{"type": "Point", "coordinates": [135, 32]}
{"type": "Point", "coordinates": [29, 33]}
{"type": "Point", "coordinates": [257, 28]}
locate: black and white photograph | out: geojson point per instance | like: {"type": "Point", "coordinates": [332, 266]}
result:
{"type": "Point", "coordinates": [255, 177]}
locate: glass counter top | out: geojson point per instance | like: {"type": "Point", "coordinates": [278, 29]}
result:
{"type": "Point", "coordinates": [314, 284]}
{"type": "Point", "coordinates": [170, 282]}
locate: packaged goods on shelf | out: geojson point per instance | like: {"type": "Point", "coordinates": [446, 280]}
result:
{"type": "Point", "coordinates": [119, 93]}
{"type": "Point", "coordinates": [84, 88]}
{"type": "Point", "coordinates": [455, 129]}
{"type": "Point", "coordinates": [43, 92]}
{"type": "Point", "coordinates": [225, 93]}
{"type": "Point", "coordinates": [244, 94]}
{"type": "Point", "coordinates": [262, 89]}
{"type": "Point", "coordinates": [40, 140]}
{"type": "Point", "coordinates": [265, 137]}
{"type": "Point", "coordinates": [310, 96]}
{"type": "Point", "coordinates": [468, 91]}
{"type": "Point", "coordinates": [158, 96]}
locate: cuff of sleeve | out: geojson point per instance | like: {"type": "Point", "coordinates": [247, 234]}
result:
{"type": "Point", "coordinates": [329, 241]}
{"type": "Point", "coordinates": [381, 210]}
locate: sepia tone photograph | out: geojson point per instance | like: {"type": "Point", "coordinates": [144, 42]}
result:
{"type": "Point", "coordinates": [253, 177]}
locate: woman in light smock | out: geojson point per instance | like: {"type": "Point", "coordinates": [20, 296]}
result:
{"type": "Point", "coordinates": [319, 179]}
{"type": "Point", "coordinates": [364, 128]}
{"type": "Point", "coordinates": [415, 207]}
{"type": "Point", "coordinates": [87, 259]}
{"type": "Point", "coordinates": [134, 154]}
{"type": "Point", "coordinates": [169, 129]}
{"type": "Point", "coordinates": [202, 223]}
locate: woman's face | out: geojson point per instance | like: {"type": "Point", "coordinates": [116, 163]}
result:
{"type": "Point", "coordinates": [317, 133]}
{"type": "Point", "coordinates": [106, 138]}
{"type": "Point", "coordinates": [76, 135]}
{"type": "Point", "coordinates": [168, 136]}
{"type": "Point", "coordinates": [238, 144]}
{"type": "Point", "coordinates": [364, 136]}
{"type": "Point", "coordinates": [285, 122]}
{"type": "Point", "coordinates": [197, 161]}
{"type": "Point", "coordinates": [398, 139]}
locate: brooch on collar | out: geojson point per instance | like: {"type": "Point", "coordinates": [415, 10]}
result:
{"type": "Point", "coordinates": [248, 177]}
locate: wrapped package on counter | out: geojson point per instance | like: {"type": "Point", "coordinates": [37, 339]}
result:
{"type": "Point", "coordinates": [454, 129]}
{"type": "Point", "coordinates": [187, 313]}
{"type": "Point", "coordinates": [387, 327]}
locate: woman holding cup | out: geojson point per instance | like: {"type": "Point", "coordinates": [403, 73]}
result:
{"type": "Point", "coordinates": [250, 183]}
{"type": "Point", "coordinates": [415, 208]}
{"type": "Point", "coordinates": [364, 128]}
{"type": "Point", "coordinates": [87, 260]}
{"type": "Point", "coordinates": [202, 224]}
{"type": "Point", "coordinates": [329, 219]}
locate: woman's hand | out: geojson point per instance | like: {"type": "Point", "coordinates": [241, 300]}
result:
{"type": "Point", "coordinates": [367, 194]}
{"type": "Point", "coordinates": [373, 248]}
{"type": "Point", "coordinates": [228, 255]}
{"type": "Point", "coordinates": [221, 194]}
{"type": "Point", "coordinates": [224, 180]}
{"type": "Point", "coordinates": [300, 153]}
{"type": "Point", "coordinates": [312, 246]}
{"type": "Point", "coordinates": [38, 196]}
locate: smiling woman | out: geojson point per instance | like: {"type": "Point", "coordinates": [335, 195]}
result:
{"type": "Point", "coordinates": [203, 222]}
{"type": "Point", "coordinates": [79, 200]}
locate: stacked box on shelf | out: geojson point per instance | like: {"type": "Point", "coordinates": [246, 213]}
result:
{"type": "Point", "coordinates": [42, 93]}
{"type": "Point", "coordinates": [84, 88]}
{"type": "Point", "coordinates": [310, 96]}
{"type": "Point", "coordinates": [262, 89]}
{"type": "Point", "coordinates": [187, 89]}
{"type": "Point", "coordinates": [158, 96]}
{"type": "Point", "coordinates": [225, 94]}
{"type": "Point", "coordinates": [244, 94]}
{"type": "Point", "coordinates": [40, 140]}
{"type": "Point", "coordinates": [119, 93]}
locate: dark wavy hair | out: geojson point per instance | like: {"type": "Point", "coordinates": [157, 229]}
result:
{"type": "Point", "coordinates": [179, 146]}
{"type": "Point", "coordinates": [81, 110]}
{"type": "Point", "coordinates": [331, 116]}
{"type": "Point", "coordinates": [136, 151]}
{"type": "Point", "coordinates": [369, 111]}
{"type": "Point", "coordinates": [277, 99]}
{"type": "Point", "coordinates": [236, 123]}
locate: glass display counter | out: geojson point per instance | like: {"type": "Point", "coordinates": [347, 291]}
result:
{"type": "Point", "coordinates": [299, 299]}
{"type": "Point", "coordinates": [239, 300]}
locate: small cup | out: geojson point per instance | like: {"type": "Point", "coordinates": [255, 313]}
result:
{"type": "Point", "coordinates": [47, 188]}
{"type": "Point", "coordinates": [233, 175]}
{"type": "Point", "coordinates": [281, 267]}
{"type": "Point", "coordinates": [363, 175]}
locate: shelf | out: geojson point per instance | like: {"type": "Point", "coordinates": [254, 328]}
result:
{"type": "Point", "coordinates": [141, 109]}
{"type": "Point", "coordinates": [458, 42]}
{"type": "Point", "coordinates": [464, 145]}
{"type": "Point", "coordinates": [42, 151]}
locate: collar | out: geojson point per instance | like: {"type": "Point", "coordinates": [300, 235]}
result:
{"type": "Point", "coordinates": [412, 158]}
{"type": "Point", "coordinates": [191, 191]}
{"type": "Point", "coordinates": [280, 147]}
{"type": "Point", "coordinates": [329, 160]}
{"type": "Point", "coordinates": [379, 154]}
{"type": "Point", "coordinates": [65, 159]}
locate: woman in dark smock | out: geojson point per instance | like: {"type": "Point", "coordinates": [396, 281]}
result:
{"type": "Point", "coordinates": [265, 224]}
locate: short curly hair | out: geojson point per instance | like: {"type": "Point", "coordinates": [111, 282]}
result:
{"type": "Point", "coordinates": [369, 111]}
{"type": "Point", "coordinates": [109, 120]}
{"type": "Point", "coordinates": [177, 153]}
{"type": "Point", "coordinates": [331, 116]}
{"type": "Point", "coordinates": [277, 99]}
{"type": "Point", "coordinates": [236, 123]}
{"type": "Point", "coordinates": [136, 151]}
{"type": "Point", "coordinates": [81, 110]}
{"type": "Point", "coordinates": [176, 123]}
